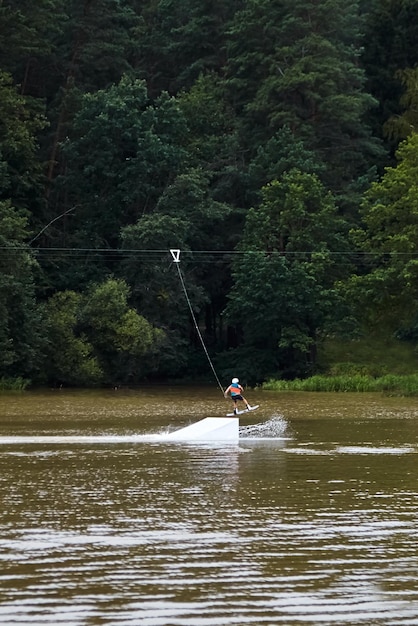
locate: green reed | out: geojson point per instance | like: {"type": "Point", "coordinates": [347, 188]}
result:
{"type": "Point", "coordinates": [389, 384]}
{"type": "Point", "coordinates": [13, 384]}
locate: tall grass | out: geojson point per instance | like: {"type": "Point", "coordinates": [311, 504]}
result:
{"type": "Point", "coordinates": [389, 384]}
{"type": "Point", "coordinates": [13, 384]}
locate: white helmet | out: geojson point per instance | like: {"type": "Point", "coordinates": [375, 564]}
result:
{"type": "Point", "coordinates": [235, 380]}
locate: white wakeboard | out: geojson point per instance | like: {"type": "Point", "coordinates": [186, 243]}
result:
{"type": "Point", "coordinates": [252, 408]}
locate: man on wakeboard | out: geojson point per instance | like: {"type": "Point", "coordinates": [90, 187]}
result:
{"type": "Point", "coordinates": [236, 390]}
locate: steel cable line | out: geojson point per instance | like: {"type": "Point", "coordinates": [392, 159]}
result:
{"type": "Point", "coordinates": [176, 258]}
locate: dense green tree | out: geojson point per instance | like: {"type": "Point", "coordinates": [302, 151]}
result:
{"type": "Point", "coordinates": [104, 41]}
{"type": "Point", "coordinates": [69, 357]}
{"type": "Point", "coordinates": [281, 153]}
{"type": "Point", "coordinates": [213, 140]}
{"type": "Point", "coordinates": [166, 119]}
{"type": "Point", "coordinates": [390, 44]}
{"type": "Point", "coordinates": [95, 48]}
{"type": "Point", "coordinates": [123, 151]}
{"type": "Point", "coordinates": [180, 39]}
{"type": "Point", "coordinates": [386, 294]}
{"type": "Point", "coordinates": [295, 63]}
{"type": "Point", "coordinates": [96, 337]}
{"type": "Point", "coordinates": [401, 126]}
{"type": "Point", "coordinates": [19, 167]}
{"type": "Point", "coordinates": [124, 342]}
{"type": "Point", "coordinates": [28, 36]}
{"type": "Point", "coordinates": [283, 295]}
{"type": "Point", "coordinates": [20, 326]}
{"type": "Point", "coordinates": [186, 218]}
{"type": "Point", "coordinates": [20, 323]}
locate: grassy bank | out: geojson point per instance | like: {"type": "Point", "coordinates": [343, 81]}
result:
{"type": "Point", "coordinates": [373, 355]}
{"type": "Point", "coordinates": [390, 384]}
{"type": "Point", "coordinates": [372, 364]}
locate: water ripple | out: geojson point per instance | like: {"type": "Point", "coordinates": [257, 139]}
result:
{"type": "Point", "coordinates": [304, 522]}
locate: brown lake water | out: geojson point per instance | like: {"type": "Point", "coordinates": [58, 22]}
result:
{"type": "Point", "coordinates": [312, 518]}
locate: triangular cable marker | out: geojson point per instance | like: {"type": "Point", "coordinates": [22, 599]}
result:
{"type": "Point", "coordinates": [176, 255]}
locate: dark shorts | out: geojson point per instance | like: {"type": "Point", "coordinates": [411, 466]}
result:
{"type": "Point", "coordinates": [236, 396]}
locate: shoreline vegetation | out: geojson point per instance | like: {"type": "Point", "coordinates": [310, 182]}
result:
{"type": "Point", "coordinates": [389, 384]}
{"type": "Point", "coordinates": [14, 384]}
{"type": "Point", "coordinates": [372, 365]}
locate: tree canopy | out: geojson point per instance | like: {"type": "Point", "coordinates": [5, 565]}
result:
{"type": "Point", "coordinates": [272, 141]}
{"type": "Point", "coordinates": [388, 292]}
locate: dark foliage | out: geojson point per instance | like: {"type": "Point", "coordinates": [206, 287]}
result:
{"type": "Point", "coordinates": [245, 134]}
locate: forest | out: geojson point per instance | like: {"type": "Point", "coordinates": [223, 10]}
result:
{"type": "Point", "coordinates": [273, 142]}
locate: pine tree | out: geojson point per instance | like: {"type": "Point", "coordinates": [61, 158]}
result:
{"type": "Point", "coordinates": [178, 40]}
{"type": "Point", "coordinates": [295, 63]}
{"type": "Point", "coordinates": [390, 46]}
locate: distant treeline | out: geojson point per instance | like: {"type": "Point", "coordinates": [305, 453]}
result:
{"type": "Point", "coordinates": [273, 142]}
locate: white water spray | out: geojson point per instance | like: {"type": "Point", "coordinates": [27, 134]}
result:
{"type": "Point", "coordinates": [276, 426]}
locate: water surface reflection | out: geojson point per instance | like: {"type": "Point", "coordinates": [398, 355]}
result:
{"type": "Point", "coordinates": [310, 519]}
